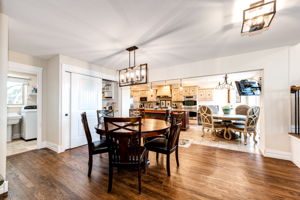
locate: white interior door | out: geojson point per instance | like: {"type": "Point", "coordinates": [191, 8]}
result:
{"type": "Point", "coordinates": [86, 96]}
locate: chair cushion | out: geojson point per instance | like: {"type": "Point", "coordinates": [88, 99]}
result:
{"type": "Point", "coordinates": [157, 145]}
{"type": "Point", "coordinates": [101, 145]}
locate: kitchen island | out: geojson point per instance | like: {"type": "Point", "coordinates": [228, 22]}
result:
{"type": "Point", "coordinates": [160, 114]}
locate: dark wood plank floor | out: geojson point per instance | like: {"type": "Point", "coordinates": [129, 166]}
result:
{"type": "Point", "coordinates": [204, 173]}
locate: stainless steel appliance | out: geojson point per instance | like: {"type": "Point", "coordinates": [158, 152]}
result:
{"type": "Point", "coordinates": [190, 105]}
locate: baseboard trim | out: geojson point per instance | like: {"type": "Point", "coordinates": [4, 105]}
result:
{"type": "Point", "coordinates": [51, 146]}
{"type": "Point", "coordinates": [271, 153]}
{"type": "Point", "coordinates": [4, 189]}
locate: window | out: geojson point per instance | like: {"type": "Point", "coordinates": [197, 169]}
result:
{"type": "Point", "coordinates": [15, 93]}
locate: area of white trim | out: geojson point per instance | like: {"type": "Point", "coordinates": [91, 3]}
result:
{"type": "Point", "coordinates": [272, 153]}
{"type": "Point", "coordinates": [87, 72]}
{"type": "Point", "coordinates": [52, 146]}
{"type": "Point", "coordinates": [295, 147]}
{"type": "Point", "coordinates": [4, 187]}
{"type": "Point", "coordinates": [18, 67]}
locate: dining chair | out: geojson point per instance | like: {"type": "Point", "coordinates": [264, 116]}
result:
{"type": "Point", "coordinates": [250, 124]}
{"type": "Point", "coordinates": [167, 118]}
{"type": "Point", "coordinates": [104, 113]}
{"type": "Point", "coordinates": [137, 112]}
{"type": "Point", "coordinates": [208, 122]}
{"type": "Point", "coordinates": [97, 147]}
{"type": "Point", "coordinates": [170, 144]}
{"type": "Point", "coordinates": [124, 143]}
{"type": "Point", "coordinates": [242, 109]}
{"type": "Point", "coordinates": [214, 108]}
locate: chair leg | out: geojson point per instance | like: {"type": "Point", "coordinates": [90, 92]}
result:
{"type": "Point", "coordinates": [90, 165]}
{"type": "Point", "coordinates": [177, 157]}
{"type": "Point", "coordinates": [110, 179]}
{"type": "Point", "coordinates": [157, 156]}
{"type": "Point", "coordinates": [245, 138]}
{"type": "Point", "coordinates": [139, 178]}
{"type": "Point", "coordinates": [168, 165]}
{"type": "Point", "coordinates": [202, 132]}
{"type": "Point", "coordinates": [254, 135]}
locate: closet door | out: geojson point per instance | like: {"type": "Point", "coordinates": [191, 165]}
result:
{"type": "Point", "coordinates": [86, 96]}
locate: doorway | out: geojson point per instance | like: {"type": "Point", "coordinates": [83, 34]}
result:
{"type": "Point", "coordinates": [24, 99]}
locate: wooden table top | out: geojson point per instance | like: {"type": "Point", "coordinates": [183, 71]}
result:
{"type": "Point", "coordinates": [229, 117]}
{"type": "Point", "coordinates": [148, 126]}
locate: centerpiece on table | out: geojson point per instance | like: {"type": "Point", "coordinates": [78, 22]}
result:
{"type": "Point", "coordinates": [226, 109]}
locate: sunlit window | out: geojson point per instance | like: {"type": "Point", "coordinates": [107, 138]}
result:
{"type": "Point", "coordinates": [15, 93]}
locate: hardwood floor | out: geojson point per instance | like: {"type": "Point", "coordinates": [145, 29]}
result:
{"type": "Point", "coordinates": [204, 173]}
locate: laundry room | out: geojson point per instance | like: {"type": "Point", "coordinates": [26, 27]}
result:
{"type": "Point", "coordinates": [22, 93]}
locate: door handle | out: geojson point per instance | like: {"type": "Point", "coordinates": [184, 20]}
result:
{"type": "Point", "coordinates": [66, 114]}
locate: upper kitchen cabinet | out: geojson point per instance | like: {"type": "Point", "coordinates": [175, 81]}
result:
{"type": "Point", "coordinates": [151, 95]}
{"type": "Point", "coordinates": [190, 91]}
{"type": "Point", "coordinates": [206, 94]}
{"type": "Point", "coordinates": [177, 94]}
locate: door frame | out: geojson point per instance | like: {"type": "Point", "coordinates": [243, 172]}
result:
{"type": "Point", "coordinates": [38, 71]}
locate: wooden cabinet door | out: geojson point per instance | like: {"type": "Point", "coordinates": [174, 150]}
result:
{"type": "Point", "coordinates": [209, 95]}
{"type": "Point", "coordinates": [193, 91]}
{"type": "Point", "coordinates": [143, 93]}
{"type": "Point", "coordinates": [175, 93]}
{"type": "Point", "coordinates": [180, 95]}
{"type": "Point", "coordinates": [151, 95]}
{"type": "Point", "coordinates": [135, 95]}
{"type": "Point", "coordinates": [186, 91]}
{"type": "Point", "coordinates": [201, 95]}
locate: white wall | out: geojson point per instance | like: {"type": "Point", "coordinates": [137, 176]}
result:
{"type": "Point", "coordinates": [275, 63]}
{"type": "Point", "coordinates": [3, 108]}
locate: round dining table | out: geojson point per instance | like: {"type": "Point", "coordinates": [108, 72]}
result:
{"type": "Point", "coordinates": [149, 127]}
{"type": "Point", "coordinates": [227, 119]}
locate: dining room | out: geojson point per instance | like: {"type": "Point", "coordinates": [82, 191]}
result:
{"type": "Point", "coordinates": [152, 99]}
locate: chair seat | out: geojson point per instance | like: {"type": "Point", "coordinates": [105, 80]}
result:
{"type": "Point", "coordinates": [100, 146]}
{"type": "Point", "coordinates": [157, 145]}
{"type": "Point", "coordinates": [240, 127]}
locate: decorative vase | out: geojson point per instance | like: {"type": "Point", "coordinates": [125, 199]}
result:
{"type": "Point", "coordinates": [226, 111]}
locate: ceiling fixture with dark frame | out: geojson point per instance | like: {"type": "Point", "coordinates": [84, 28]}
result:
{"type": "Point", "coordinates": [133, 75]}
{"type": "Point", "coordinates": [258, 17]}
{"type": "Point", "coordinates": [225, 84]}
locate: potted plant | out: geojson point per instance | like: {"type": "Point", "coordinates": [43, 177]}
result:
{"type": "Point", "coordinates": [226, 109]}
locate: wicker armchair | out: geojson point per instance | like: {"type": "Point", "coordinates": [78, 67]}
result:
{"type": "Point", "coordinates": [208, 122]}
{"type": "Point", "coordinates": [250, 124]}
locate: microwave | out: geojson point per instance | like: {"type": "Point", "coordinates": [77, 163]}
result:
{"type": "Point", "coordinates": [143, 98]}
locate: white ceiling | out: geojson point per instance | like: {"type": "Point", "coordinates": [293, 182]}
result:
{"type": "Point", "coordinates": [168, 32]}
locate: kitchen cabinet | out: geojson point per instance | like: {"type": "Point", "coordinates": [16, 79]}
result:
{"type": "Point", "coordinates": [190, 91]}
{"type": "Point", "coordinates": [177, 94]}
{"type": "Point", "coordinates": [205, 94]}
{"type": "Point", "coordinates": [151, 95]}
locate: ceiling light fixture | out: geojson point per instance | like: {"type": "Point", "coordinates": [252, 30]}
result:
{"type": "Point", "coordinates": [225, 84]}
{"type": "Point", "coordinates": [133, 75]}
{"type": "Point", "coordinates": [258, 17]}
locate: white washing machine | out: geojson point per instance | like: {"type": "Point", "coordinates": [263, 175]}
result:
{"type": "Point", "coordinates": [29, 124]}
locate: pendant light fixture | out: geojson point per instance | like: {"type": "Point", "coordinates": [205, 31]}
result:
{"type": "Point", "coordinates": [225, 84]}
{"type": "Point", "coordinates": [133, 75]}
{"type": "Point", "coordinates": [258, 17]}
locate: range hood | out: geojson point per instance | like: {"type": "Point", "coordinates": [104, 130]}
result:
{"type": "Point", "coordinates": [164, 91]}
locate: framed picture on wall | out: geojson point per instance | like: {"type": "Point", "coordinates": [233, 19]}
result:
{"type": "Point", "coordinates": [168, 103]}
{"type": "Point", "coordinates": [162, 104]}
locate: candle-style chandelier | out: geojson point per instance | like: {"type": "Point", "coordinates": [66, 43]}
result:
{"type": "Point", "coordinates": [225, 84]}
{"type": "Point", "coordinates": [133, 75]}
